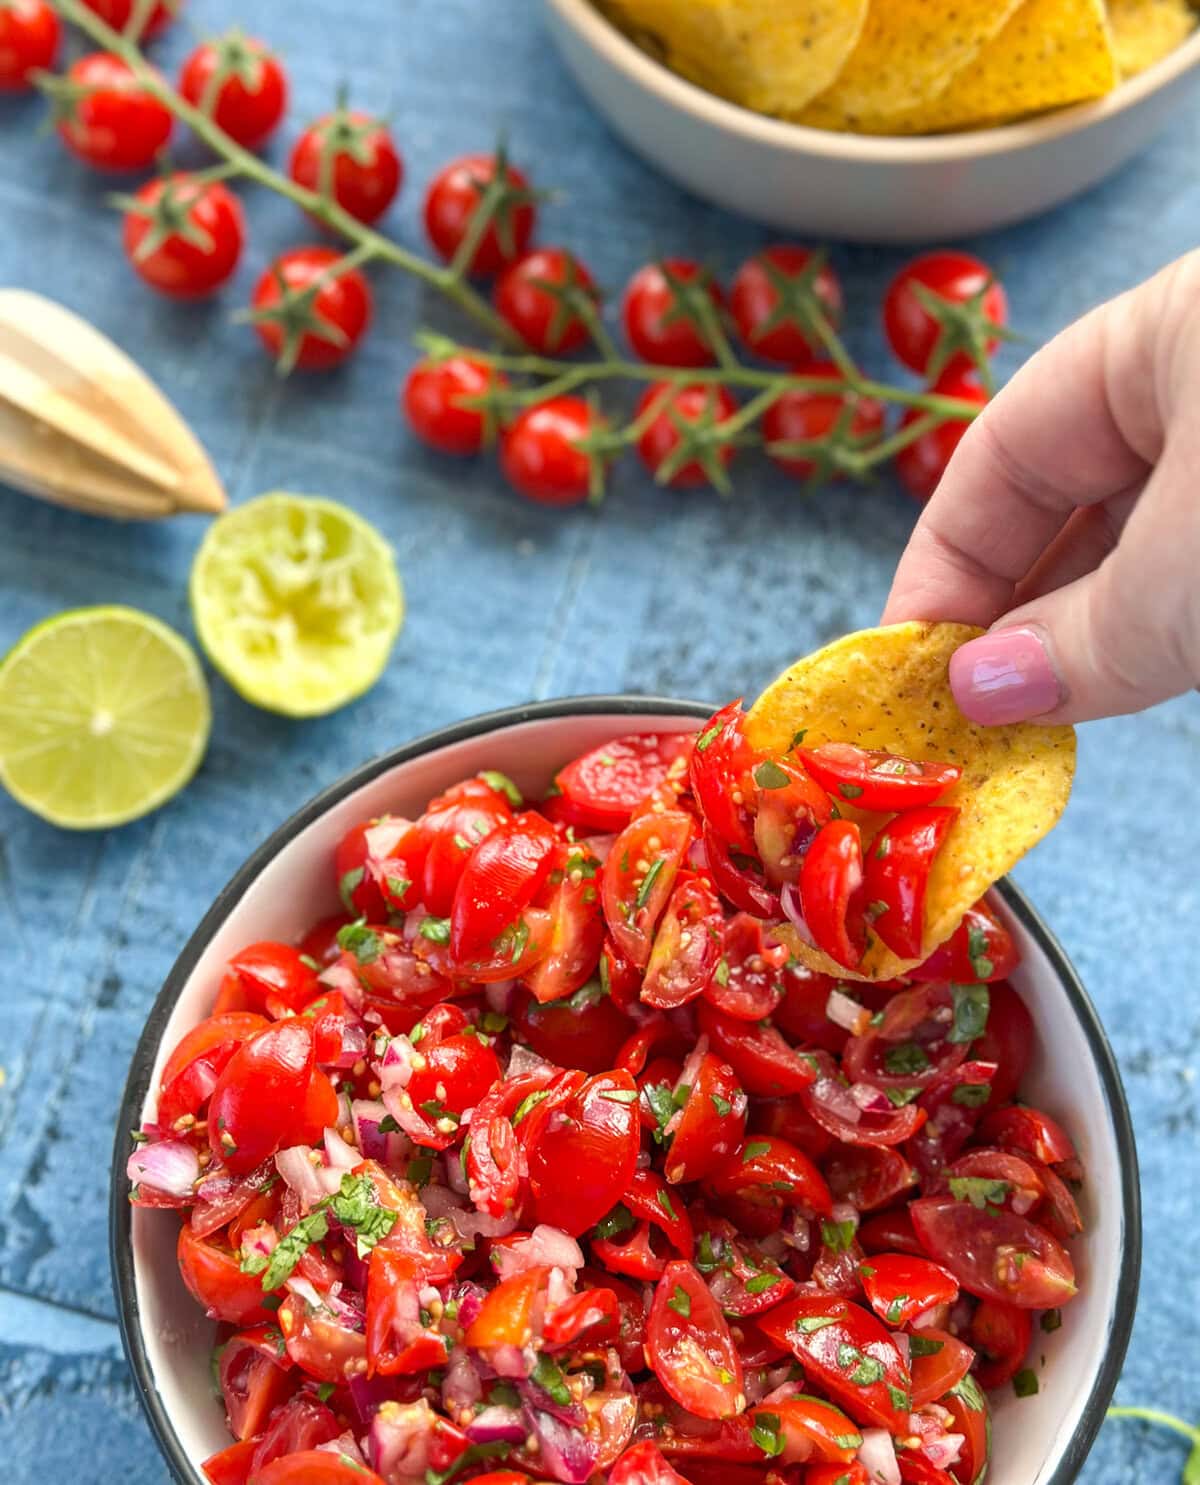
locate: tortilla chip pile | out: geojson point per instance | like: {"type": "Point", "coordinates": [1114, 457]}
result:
{"type": "Point", "coordinates": [889, 689]}
{"type": "Point", "coordinates": [906, 66]}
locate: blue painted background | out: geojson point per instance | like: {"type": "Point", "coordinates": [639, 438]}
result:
{"type": "Point", "coordinates": [656, 592]}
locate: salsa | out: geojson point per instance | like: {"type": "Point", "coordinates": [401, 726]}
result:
{"type": "Point", "coordinates": [546, 1160]}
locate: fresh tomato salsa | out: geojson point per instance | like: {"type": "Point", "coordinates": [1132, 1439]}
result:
{"type": "Point", "coordinates": [545, 1160]}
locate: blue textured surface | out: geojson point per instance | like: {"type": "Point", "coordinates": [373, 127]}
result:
{"type": "Point", "coordinates": [683, 595]}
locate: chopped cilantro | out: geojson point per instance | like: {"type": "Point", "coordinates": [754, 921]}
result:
{"type": "Point", "coordinates": [899, 1097]}
{"type": "Point", "coordinates": [923, 1345]}
{"type": "Point", "coordinates": [620, 1095]}
{"type": "Point", "coordinates": [1052, 1320]}
{"type": "Point", "coordinates": [279, 1266]}
{"type": "Point", "coordinates": [662, 1106]}
{"type": "Point", "coordinates": [906, 1060]}
{"type": "Point", "coordinates": [309, 962]}
{"type": "Point", "coordinates": [721, 974]}
{"type": "Point", "coordinates": [769, 775]}
{"type": "Point", "coordinates": [968, 1390]}
{"type": "Point", "coordinates": [754, 1149]}
{"type": "Point", "coordinates": [420, 1170]}
{"type": "Point", "coordinates": [664, 1201]}
{"type": "Point", "coordinates": [1025, 1383]}
{"type": "Point", "coordinates": [620, 1219]}
{"type": "Point", "coordinates": [767, 1433]}
{"type": "Point", "coordinates": [979, 1191]}
{"type": "Point", "coordinates": [797, 739]}
{"type": "Point", "coordinates": [761, 1282]}
{"type": "Point", "coordinates": [529, 1103]}
{"type": "Point", "coordinates": [977, 952]}
{"type": "Point", "coordinates": [972, 1095]}
{"type": "Point", "coordinates": [549, 1377]}
{"type": "Point", "coordinates": [681, 1302]}
{"type": "Point", "coordinates": [707, 738]}
{"type": "Point", "coordinates": [502, 784]}
{"type": "Point", "coordinates": [849, 791]}
{"type": "Point", "coordinates": [397, 886]}
{"type": "Point", "coordinates": [357, 939]}
{"type": "Point", "coordinates": [346, 887]}
{"type": "Point", "coordinates": [325, 1391]}
{"type": "Point", "coordinates": [971, 1004]}
{"type": "Point", "coordinates": [894, 1315]}
{"type": "Point", "coordinates": [355, 1205]}
{"type": "Point", "coordinates": [647, 886]}
{"type": "Point", "coordinates": [863, 1370]}
{"type": "Point", "coordinates": [436, 930]}
{"type": "Point", "coordinates": [900, 1399]}
{"type": "Point", "coordinates": [722, 1105]}
{"type": "Point", "coordinates": [837, 1236]}
{"type": "Point", "coordinates": [810, 1324]}
{"type": "Point", "coordinates": [388, 1125]}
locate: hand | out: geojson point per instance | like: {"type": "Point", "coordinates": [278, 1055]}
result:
{"type": "Point", "coordinates": [1069, 521]}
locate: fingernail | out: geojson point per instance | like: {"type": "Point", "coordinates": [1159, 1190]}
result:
{"type": "Point", "coordinates": [1004, 677]}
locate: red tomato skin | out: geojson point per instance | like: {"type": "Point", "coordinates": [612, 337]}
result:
{"type": "Point", "coordinates": [356, 886]}
{"type": "Point", "coordinates": [898, 863]}
{"type": "Point", "coordinates": [754, 298]}
{"type": "Point", "coordinates": [702, 1331]}
{"type": "Point", "coordinates": [578, 1172]}
{"type": "Point", "coordinates": [249, 115]}
{"type": "Point", "coordinates": [750, 987]}
{"type": "Point", "coordinates": [870, 1177]}
{"type": "Point", "coordinates": [973, 1245]}
{"type": "Point", "coordinates": [1030, 1131]}
{"type": "Point", "coordinates": [178, 268]}
{"type": "Point", "coordinates": [533, 311]}
{"type": "Point", "coordinates": [706, 1138]}
{"type": "Point", "coordinates": [200, 1056]}
{"type": "Point", "coordinates": [118, 14]}
{"type": "Point", "coordinates": [890, 1232]}
{"type": "Point", "coordinates": [871, 779]}
{"type": "Point", "coordinates": [499, 879]}
{"type": "Point", "coordinates": [763, 1165]}
{"type": "Point", "coordinates": [687, 947]}
{"type": "Point", "coordinates": [899, 1287]}
{"type": "Point", "coordinates": [802, 416]}
{"type": "Point", "coordinates": [231, 1466]}
{"type": "Point", "coordinates": [449, 836]}
{"type": "Point", "coordinates": [29, 37]}
{"type": "Point", "coordinates": [275, 977]}
{"type": "Point", "coordinates": [831, 875]}
{"type": "Point", "coordinates": [364, 188]}
{"type": "Point", "coordinates": [450, 203]}
{"type": "Point", "coordinates": [540, 455]}
{"type": "Point", "coordinates": [605, 786]}
{"type": "Point", "coordinates": [994, 958]}
{"type": "Point", "coordinates": [214, 1279]}
{"type": "Point", "coordinates": [661, 438]}
{"type": "Point", "coordinates": [935, 1374]}
{"type": "Point", "coordinates": [254, 1380]}
{"type": "Point", "coordinates": [116, 125]}
{"type": "Point", "coordinates": [644, 1465]}
{"type": "Point", "coordinates": [259, 1097]}
{"type": "Point", "coordinates": [1002, 1335]}
{"type": "Point", "coordinates": [648, 302]}
{"type": "Point", "coordinates": [764, 1063]}
{"type": "Point", "coordinates": [913, 332]}
{"type": "Point", "coordinates": [921, 465]}
{"type": "Point", "coordinates": [315, 1467]}
{"type": "Point", "coordinates": [722, 777]}
{"type": "Point", "coordinates": [342, 303]}
{"type": "Point", "coordinates": [635, 888]}
{"type": "Point", "coordinates": [433, 399]}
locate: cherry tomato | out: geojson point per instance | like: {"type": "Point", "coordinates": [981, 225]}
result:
{"type": "Point", "coordinates": [890, 1232]}
{"type": "Point", "coordinates": [239, 83]}
{"type": "Point", "coordinates": [748, 980]}
{"type": "Point", "coordinates": [654, 1210]}
{"type": "Point", "coordinates": [826, 1100]}
{"type": "Point", "coordinates": [499, 879]}
{"type": "Point", "coordinates": [231, 1466]}
{"type": "Point", "coordinates": [185, 236]}
{"type": "Point", "coordinates": [638, 877]}
{"type": "Point", "coordinates": [275, 978]}
{"type": "Point", "coordinates": [118, 14]}
{"type": "Point", "coordinates": [869, 1177]}
{"type": "Point", "coordinates": [302, 1423]}
{"type": "Point", "coordinates": [766, 1169]}
{"type": "Point", "coordinates": [939, 1363]}
{"type": "Point", "coordinates": [399, 1342]}
{"type": "Point", "coordinates": [801, 1015]}
{"type": "Point", "coordinates": [260, 1095]}
{"type": "Point", "coordinates": [741, 883]}
{"type": "Point", "coordinates": [804, 416]}
{"type": "Point", "coordinates": [952, 1105]}
{"type": "Point", "coordinates": [705, 408]}
{"type": "Point", "coordinates": [454, 195]}
{"type": "Point", "coordinates": [775, 298]}
{"type": "Point", "coordinates": [687, 946]}
{"type": "Point", "coordinates": [921, 464]}
{"type": "Point", "coordinates": [766, 1066]}
{"type": "Point", "coordinates": [113, 122]}
{"type": "Point", "coordinates": [508, 1313]}
{"type": "Point", "coordinates": [837, 1474]}
{"type": "Point", "coordinates": [438, 397]}
{"type": "Point", "coordinates": [807, 1428]}
{"type": "Point", "coordinates": [457, 1073]}
{"type": "Point", "coordinates": [899, 1287]}
{"type": "Point", "coordinates": [1022, 1178]}
{"type": "Point", "coordinates": [29, 34]}
{"type": "Point", "coordinates": [898, 863]}
{"type": "Point", "coordinates": [915, 1469]}
{"type": "Point", "coordinates": [851, 1356]}
{"type": "Point", "coordinates": [877, 780]}
{"type": "Point", "coordinates": [722, 777]}
{"type": "Point", "coordinates": [321, 1340]}
{"type": "Point", "coordinates": [1001, 1334]}
{"type": "Point", "coordinates": [352, 158]}
{"type": "Point", "coordinates": [940, 311]}
{"type": "Point", "coordinates": [712, 1119]}
{"type": "Point", "coordinates": [449, 836]}
{"type": "Point", "coordinates": [830, 879]}
{"type": "Point", "coordinates": [576, 934]}
{"type": "Point", "coordinates": [1007, 1042]}
{"type": "Point", "coordinates": [1029, 1131]}
{"type": "Point", "coordinates": [605, 786]}
{"type": "Point", "coordinates": [979, 950]}
{"type": "Point", "coordinates": [315, 1467]}
{"type": "Point", "coordinates": [254, 1380]}
{"type": "Point", "coordinates": [580, 1163]}
{"type": "Point", "coordinates": [995, 1254]}
{"type": "Point", "coordinates": [541, 453]}
{"type": "Point", "coordinates": [968, 1408]}
{"type": "Point", "coordinates": [655, 313]}
{"type": "Point", "coordinates": [790, 1120]}
{"type": "Point", "coordinates": [309, 312]}
{"type": "Point", "coordinates": [644, 1465]}
{"type": "Point", "coordinates": [541, 296]}
{"type": "Point", "coordinates": [689, 1346]}
{"type": "Point", "coordinates": [790, 808]}
{"type": "Point", "coordinates": [586, 1030]}
{"type": "Point", "coordinates": [215, 1280]}
{"type": "Point", "coordinates": [910, 1047]}
{"type": "Point", "coordinates": [199, 1059]}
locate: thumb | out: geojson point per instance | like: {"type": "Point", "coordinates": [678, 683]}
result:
{"type": "Point", "coordinates": [1116, 640]}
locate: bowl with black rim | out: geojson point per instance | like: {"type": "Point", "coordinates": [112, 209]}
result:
{"type": "Point", "coordinates": [287, 884]}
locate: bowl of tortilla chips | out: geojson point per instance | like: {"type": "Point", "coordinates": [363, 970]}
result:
{"type": "Point", "coordinates": [883, 120]}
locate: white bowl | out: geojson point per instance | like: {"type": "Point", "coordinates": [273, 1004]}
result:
{"type": "Point", "coordinates": [857, 186]}
{"type": "Point", "coordinates": [288, 883]}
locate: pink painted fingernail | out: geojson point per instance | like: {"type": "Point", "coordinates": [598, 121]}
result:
{"type": "Point", "coordinates": [1005, 676]}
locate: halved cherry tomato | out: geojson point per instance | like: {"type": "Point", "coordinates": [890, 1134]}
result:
{"type": "Point", "coordinates": [801, 1014]}
{"type": "Point", "coordinates": [399, 1341]}
{"type": "Point", "coordinates": [254, 1378]}
{"type": "Point", "coordinates": [576, 934]}
{"type": "Point", "coordinates": [1008, 1041]}
{"type": "Point", "coordinates": [740, 881]}
{"type": "Point", "coordinates": [321, 1340]}
{"type": "Point", "coordinates": [231, 1466]}
{"type": "Point", "coordinates": [450, 835]}
{"type": "Point", "coordinates": [315, 1467]}
{"type": "Point", "coordinates": [712, 1119]}
{"type": "Point", "coordinates": [765, 1065]}
{"type": "Point", "coordinates": [1001, 1334]}
{"type": "Point", "coordinates": [582, 1160]}
{"type": "Point", "coordinates": [915, 1469]}
{"type": "Point", "coordinates": [509, 1311]}
{"type": "Point", "coordinates": [890, 1232]}
{"type": "Point", "coordinates": [899, 1287]}
{"type": "Point", "coordinates": [586, 1030]}
{"type": "Point", "coordinates": [790, 808]}
{"type": "Point", "coordinates": [590, 1317]}
{"type": "Point", "coordinates": [910, 1047]}
{"type": "Point", "coordinates": [868, 1176]}
{"type": "Point", "coordinates": [844, 1349]}
{"type": "Point", "coordinates": [748, 982]}
{"type": "Point", "coordinates": [995, 1254]}
{"type": "Point", "coordinates": [837, 1474]}
{"type": "Point", "coordinates": [1059, 1213]}
{"type": "Point", "coordinates": [214, 1278]}
{"type": "Point", "coordinates": [409, 1234]}
{"type": "Point", "coordinates": [395, 860]}
{"type": "Point", "coordinates": [1030, 1131]}
{"type": "Point", "coordinates": [356, 886]}
{"type": "Point", "coordinates": [969, 1409]}
{"type": "Point", "coordinates": [1024, 1183]}
{"type": "Point", "coordinates": [687, 946]}
{"type": "Point", "coordinates": [807, 1428]}
{"type": "Point", "coordinates": [722, 777]}
{"type": "Point", "coordinates": [320, 1109]}
{"type": "Point", "coordinates": [826, 1100]}
{"type": "Point", "coordinates": [644, 1465]}
{"type": "Point", "coordinates": [196, 1063]}
{"type": "Point", "coordinates": [302, 1423]}
{"type": "Point", "coordinates": [874, 780]}
{"type": "Point", "coordinates": [494, 1163]}
{"type": "Point", "coordinates": [830, 879]}
{"type": "Point", "coordinates": [979, 950]}
{"type": "Point", "coordinates": [951, 1105]}
{"type": "Point", "coordinates": [320, 943]}
{"type": "Point", "coordinates": [499, 879]}
{"type": "Point", "coordinates": [638, 877]}
{"type": "Point", "coordinates": [788, 1118]}
{"type": "Point", "coordinates": [939, 1362]}
{"type": "Point", "coordinates": [631, 1311]}
{"type": "Point", "coordinates": [605, 786]}
{"type": "Point", "coordinates": [898, 863]}
{"type": "Point", "coordinates": [275, 977]}
{"type": "Point", "coordinates": [768, 1169]}
{"type": "Point", "coordinates": [260, 1095]}
{"type": "Point", "coordinates": [456, 1075]}
{"type": "Point", "coordinates": [689, 1346]}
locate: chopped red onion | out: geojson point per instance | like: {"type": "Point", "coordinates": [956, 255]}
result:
{"type": "Point", "coordinates": [452, 1165]}
{"type": "Point", "coordinates": [523, 1060]}
{"type": "Point", "coordinates": [900, 1341]}
{"type": "Point", "coordinates": [367, 1115]}
{"type": "Point", "coordinates": [470, 1225]}
{"type": "Point", "coordinates": [440, 1201]}
{"type": "Point", "coordinates": [789, 901]}
{"type": "Point", "coordinates": [499, 995]}
{"type": "Point", "coordinates": [340, 1153]}
{"type": "Point", "coordinates": [354, 1044]}
{"type": "Point", "coordinates": [305, 1289]}
{"type": "Point", "coordinates": [398, 1446]}
{"type": "Point", "coordinates": [461, 1387]}
{"type": "Point", "coordinates": [545, 1247]}
{"type": "Point", "coordinates": [870, 1100]}
{"type": "Point", "coordinates": [395, 1069]}
{"type": "Point", "coordinates": [512, 1361]}
{"type": "Point", "coordinates": [698, 857]}
{"type": "Point", "coordinates": [497, 1425]}
{"type": "Point", "coordinates": [565, 1454]}
{"type": "Point", "coordinates": [945, 1451]}
{"type": "Point", "coordinates": [844, 1011]}
{"type": "Point", "coordinates": [171, 1167]}
{"type": "Point", "coordinates": [298, 1171]}
{"type": "Point", "coordinates": [599, 846]}
{"type": "Point", "coordinates": [345, 1447]}
{"type": "Point", "coordinates": [340, 976]}
{"type": "Point", "coordinates": [837, 1099]}
{"type": "Point", "coordinates": [877, 1455]}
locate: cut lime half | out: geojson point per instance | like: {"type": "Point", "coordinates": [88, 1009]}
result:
{"type": "Point", "coordinates": [297, 602]}
{"type": "Point", "coordinates": [104, 715]}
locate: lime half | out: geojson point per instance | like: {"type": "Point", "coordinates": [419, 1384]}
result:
{"type": "Point", "coordinates": [297, 603]}
{"type": "Point", "coordinates": [104, 716]}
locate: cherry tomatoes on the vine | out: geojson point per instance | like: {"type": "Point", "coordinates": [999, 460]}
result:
{"type": "Point", "coordinates": [923, 462]}
{"type": "Point", "coordinates": [29, 35]}
{"type": "Point", "coordinates": [545, 296]}
{"type": "Point", "coordinates": [809, 417]}
{"type": "Point", "coordinates": [541, 453]}
{"type": "Point", "coordinates": [664, 310]}
{"type": "Point", "coordinates": [240, 84]}
{"type": "Point", "coordinates": [310, 312]}
{"type": "Point", "coordinates": [665, 446]}
{"type": "Point", "coordinates": [352, 158]}
{"type": "Point", "coordinates": [455, 194]}
{"type": "Point", "coordinates": [941, 312]}
{"type": "Point", "coordinates": [776, 298]}
{"type": "Point", "coordinates": [111, 121]}
{"type": "Point", "coordinates": [184, 236]}
{"type": "Point", "coordinates": [438, 401]}
{"type": "Point", "coordinates": [118, 14]}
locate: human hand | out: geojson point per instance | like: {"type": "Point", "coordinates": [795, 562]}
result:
{"type": "Point", "coordinates": [1069, 521]}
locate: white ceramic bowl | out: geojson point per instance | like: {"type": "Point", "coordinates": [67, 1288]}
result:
{"type": "Point", "coordinates": [854, 186]}
{"type": "Point", "coordinates": [288, 883]}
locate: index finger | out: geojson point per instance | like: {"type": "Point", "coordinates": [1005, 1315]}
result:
{"type": "Point", "coordinates": [1076, 425]}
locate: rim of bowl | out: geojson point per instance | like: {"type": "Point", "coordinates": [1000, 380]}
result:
{"type": "Point", "coordinates": [138, 1081]}
{"type": "Point", "coordinates": [708, 108]}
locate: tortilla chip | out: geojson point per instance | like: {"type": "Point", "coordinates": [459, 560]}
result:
{"type": "Point", "coordinates": [890, 689]}
{"type": "Point", "coordinates": [908, 53]}
{"type": "Point", "coordinates": [768, 55]}
{"type": "Point", "coordinates": [1145, 31]}
{"type": "Point", "coordinates": [1050, 54]}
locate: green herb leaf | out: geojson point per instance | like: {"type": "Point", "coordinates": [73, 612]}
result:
{"type": "Point", "coordinates": [420, 1169]}
{"type": "Point", "coordinates": [810, 1324]}
{"type": "Point", "coordinates": [901, 1401]}
{"type": "Point", "coordinates": [837, 1236]}
{"type": "Point", "coordinates": [355, 1206]}
{"type": "Point", "coordinates": [971, 1095]}
{"type": "Point", "coordinates": [722, 1105]}
{"type": "Point", "coordinates": [899, 1097]}
{"type": "Point", "coordinates": [797, 739]}
{"type": "Point", "coordinates": [979, 1191]}
{"type": "Point", "coordinates": [707, 738]}
{"type": "Point", "coordinates": [1025, 1383]}
{"type": "Point", "coordinates": [769, 775]}
{"type": "Point", "coordinates": [324, 1391]}
{"type": "Point", "coordinates": [761, 1282]}
{"type": "Point", "coordinates": [502, 784]}
{"type": "Point", "coordinates": [968, 1390]}
{"type": "Point", "coordinates": [977, 952]}
{"type": "Point", "coordinates": [921, 1345]}
{"type": "Point", "coordinates": [768, 1434]}
{"type": "Point", "coordinates": [398, 886]}
{"type": "Point", "coordinates": [549, 1377]}
{"type": "Point", "coordinates": [754, 1149]}
{"type": "Point", "coordinates": [905, 1060]}
{"type": "Point", "coordinates": [971, 1004]}
{"type": "Point", "coordinates": [359, 940]}
{"type": "Point", "coordinates": [436, 930]}
{"type": "Point", "coordinates": [1052, 1320]}
{"type": "Point", "coordinates": [643, 892]}
{"type": "Point", "coordinates": [895, 1311]}
{"type": "Point", "coordinates": [681, 1302]}
{"type": "Point", "coordinates": [721, 973]}
{"type": "Point", "coordinates": [529, 1103]}
{"type": "Point", "coordinates": [292, 1247]}
{"type": "Point", "coordinates": [850, 791]}
{"type": "Point", "coordinates": [350, 880]}
{"type": "Point", "coordinates": [620, 1095]}
{"type": "Point", "coordinates": [620, 1219]}
{"type": "Point", "coordinates": [662, 1106]}
{"type": "Point", "coordinates": [664, 1201]}
{"type": "Point", "coordinates": [863, 1370]}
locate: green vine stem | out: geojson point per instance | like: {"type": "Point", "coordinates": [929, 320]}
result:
{"type": "Point", "coordinates": [1191, 1469]}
